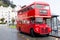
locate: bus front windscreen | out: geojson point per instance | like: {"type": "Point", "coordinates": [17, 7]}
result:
{"type": "Point", "coordinates": [38, 20]}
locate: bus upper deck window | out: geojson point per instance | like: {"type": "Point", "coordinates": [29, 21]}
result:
{"type": "Point", "coordinates": [32, 6]}
{"type": "Point", "coordinates": [39, 6]}
{"type": "Point", "coordinates": [46, 7]}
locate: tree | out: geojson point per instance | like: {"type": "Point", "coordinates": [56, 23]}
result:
{"type": "Point", "coordinates": [13, 20]}
{"type": "Point", "coordinates": [2, 19]}
{"type": "Point", "coordinates": [6, 3]}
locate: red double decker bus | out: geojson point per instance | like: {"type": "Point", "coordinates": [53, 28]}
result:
{"type": "Point", "coordinates": [32, 19]}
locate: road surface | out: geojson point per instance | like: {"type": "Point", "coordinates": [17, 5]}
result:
{"type": "Point", "coordinates": [7, 33]}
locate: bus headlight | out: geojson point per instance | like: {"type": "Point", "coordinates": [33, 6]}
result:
{"type": "Point", "coordinates": [37, 29]}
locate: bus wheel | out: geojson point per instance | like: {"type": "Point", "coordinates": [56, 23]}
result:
{"type": "Point", "coordinates": [32, 33]}
{"type": "Point", "coordinates": [47, 34]}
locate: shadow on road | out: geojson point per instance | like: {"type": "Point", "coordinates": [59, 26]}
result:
{"type": "Point", "coordinates": [37, 36]}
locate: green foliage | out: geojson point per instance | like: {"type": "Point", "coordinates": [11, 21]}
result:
{"type": "Point", "coordinates": [13, 20]}
{"type": "Point", "coordinates": [2, 19]}
{"type": "Point", "coordinates": [6, 3]}
{"type": "Point", "coordinates": [3, 4]}
{"type": "Point", "coordinates": [13, 6]}
{"type": "Point", "coordinates": [12, 26]}
{"type": "Point", "coordinates": [2, 23]}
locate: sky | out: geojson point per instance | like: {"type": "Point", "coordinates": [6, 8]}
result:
{"type": "Point", "coordinates": [54, 4]}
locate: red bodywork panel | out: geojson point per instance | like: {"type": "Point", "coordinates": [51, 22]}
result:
{"type": "Point", "coordinates": [24, 24]}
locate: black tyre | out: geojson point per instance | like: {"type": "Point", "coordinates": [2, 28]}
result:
{"type": "Point", "coordinates": [32, 33]}
{"type": "Point", "coordinates": [47, 34]}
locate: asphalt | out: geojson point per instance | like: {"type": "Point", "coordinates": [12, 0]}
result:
{"type": "Point", "coordinates": [7, 33]}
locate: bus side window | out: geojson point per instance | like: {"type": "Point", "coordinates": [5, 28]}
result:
{"type": "Point", "coordinates": [24, 10]}
{"type": "Point", "coordinates": [28, 22]}
{"type": "Point", "coordinates": [32, 19]}
{"type": "Point", "coordinates": [20, 13]}
{"type": "Point", "coordinates": [25, 22]}
{"type": "Point", "coordinates": [27, 8]}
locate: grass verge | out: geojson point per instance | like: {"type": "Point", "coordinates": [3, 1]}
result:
{"type": "Point", "coordinates": [12, 26]}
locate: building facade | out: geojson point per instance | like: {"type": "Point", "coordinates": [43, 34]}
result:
{"type": "Point", "coordinates": [8, 13]}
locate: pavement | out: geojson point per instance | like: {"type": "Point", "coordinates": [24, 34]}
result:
{"type": "Point", "coordinates": [7, 33]}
